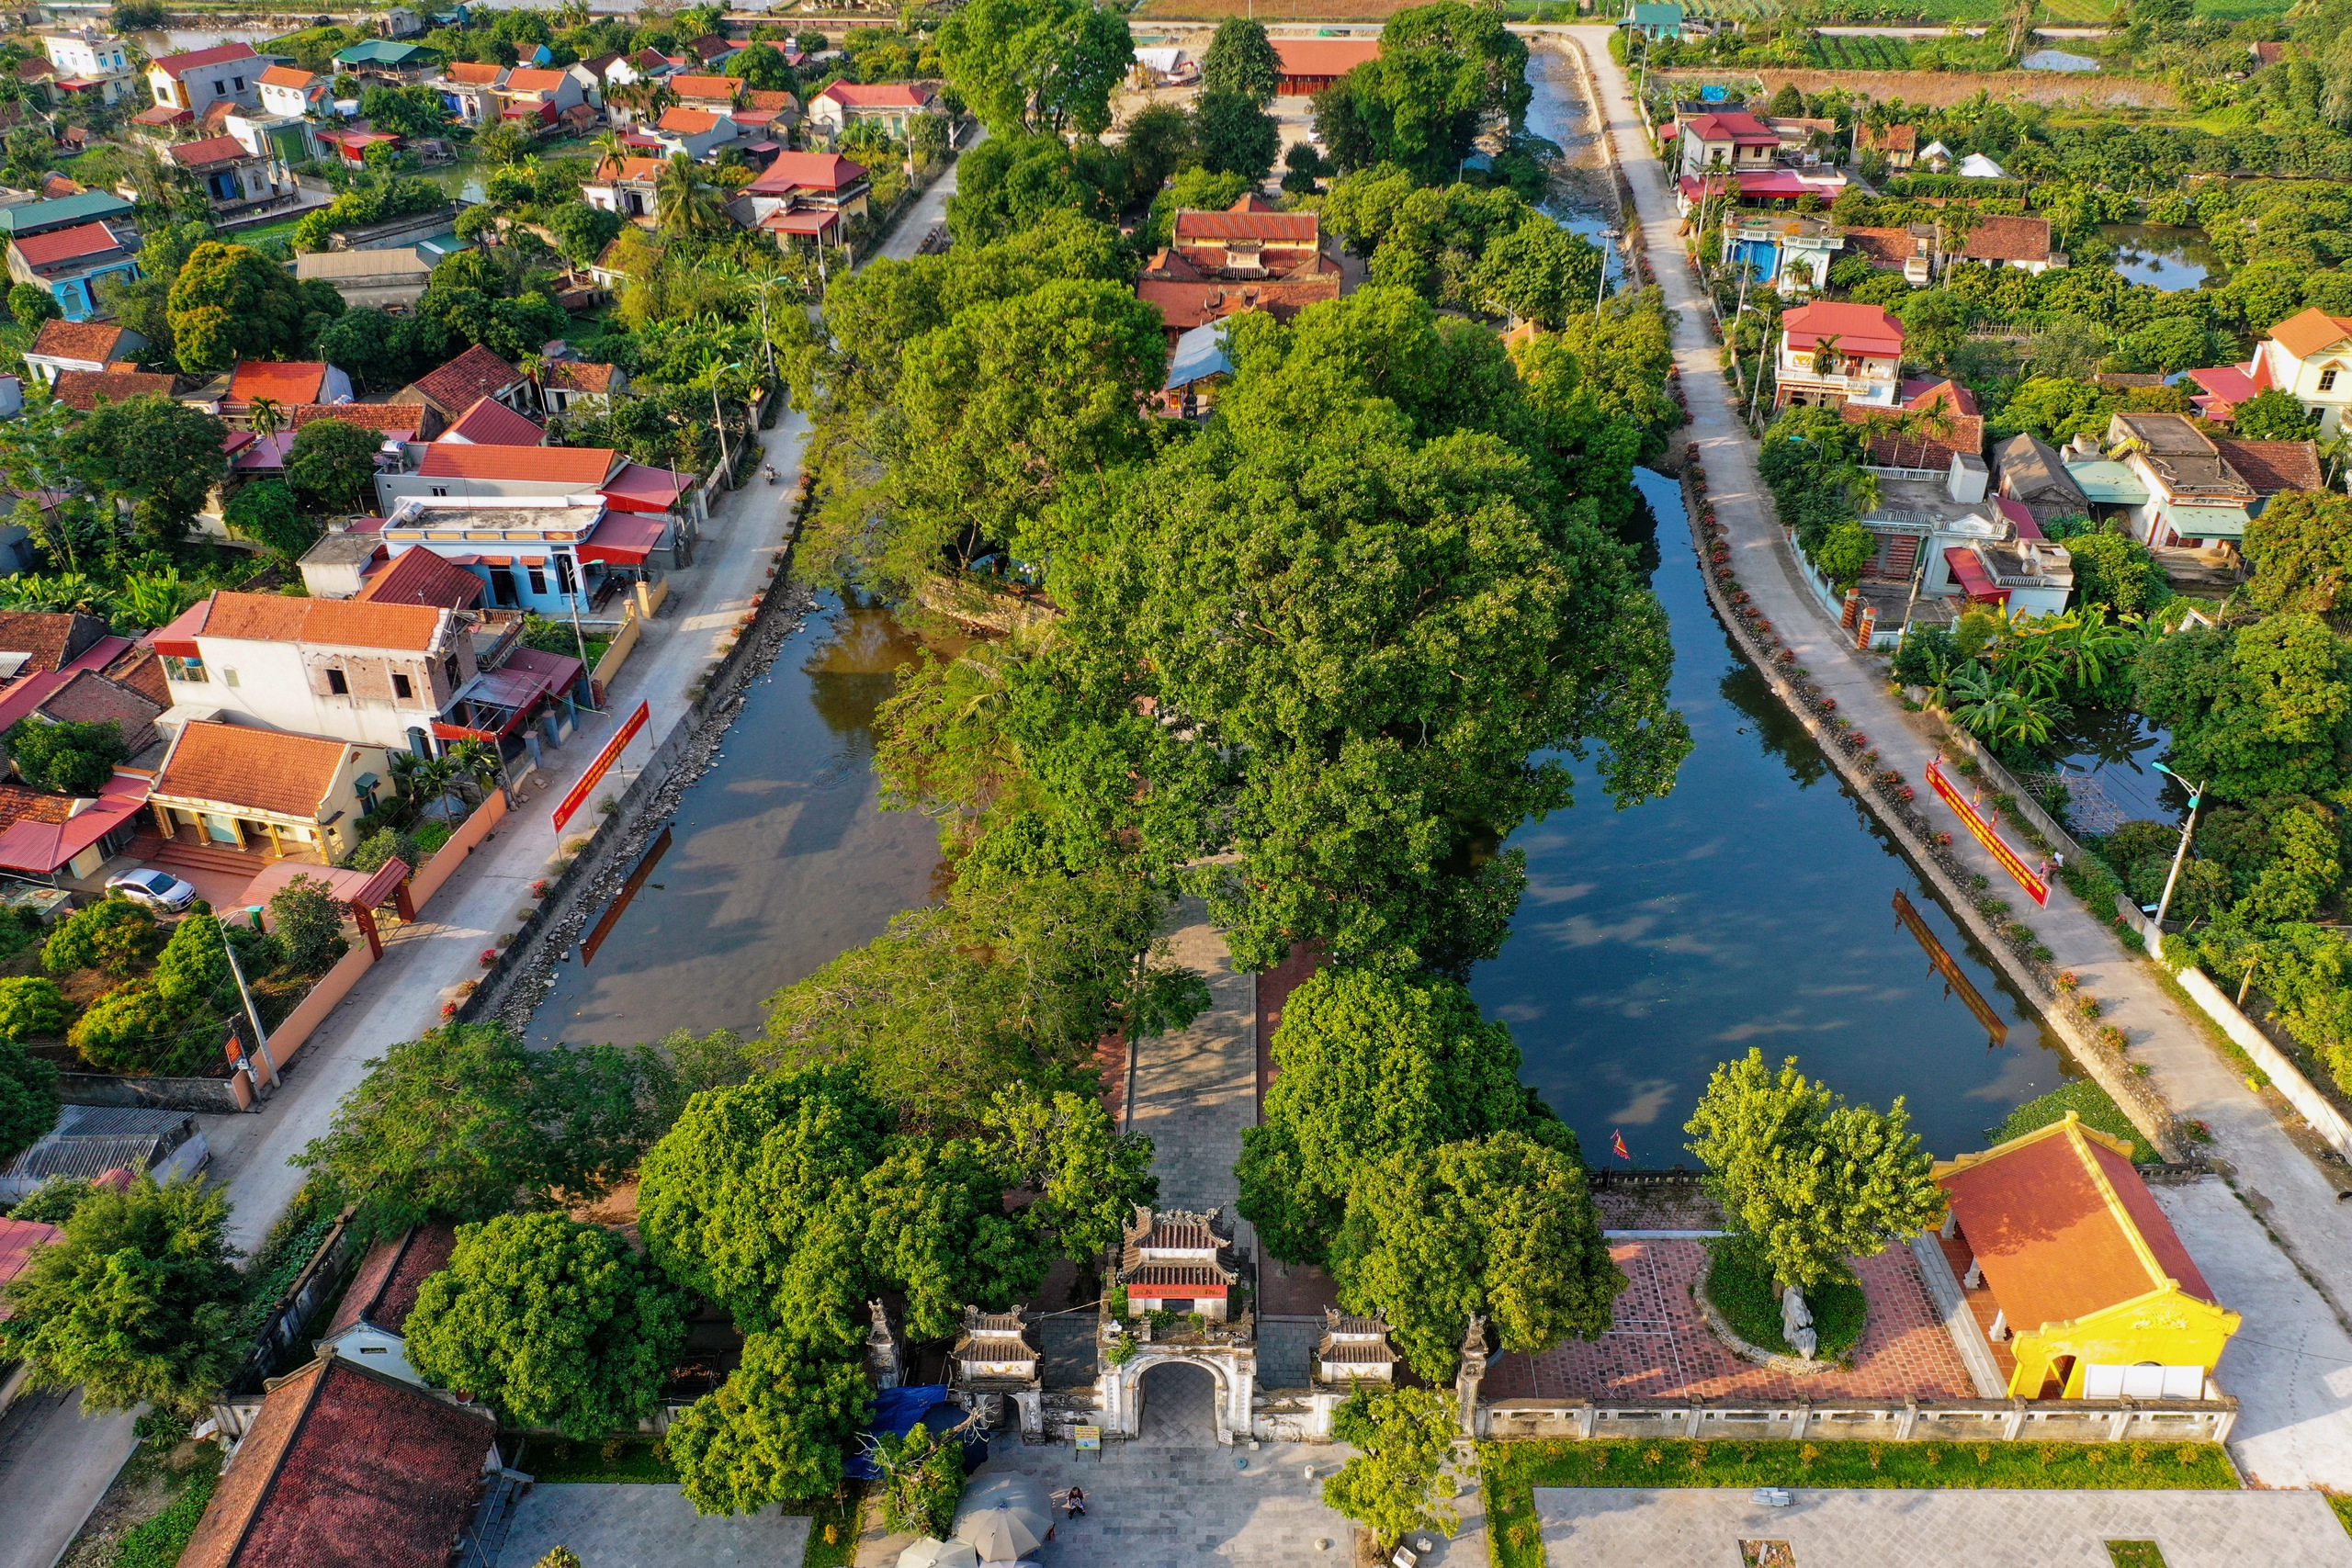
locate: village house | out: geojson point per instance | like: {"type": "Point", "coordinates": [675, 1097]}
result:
{"type": "Point", "coordinates": [52, 213]}
{"type": "Point", "coordinates": [2020, 242]}
{"type": "Point", "coordinates": [290, 90]}
{"type": "Point", "coordinates": [61, 345]}
{"type": "Point", "coordinates": [367, 673]}
{"type": "Point", "coordinates": [2027, 472]}
{"type": "Point", "coordinates": [474, 374]}
{"type": "Point", "coordinates": [369, 1326]}
{"type": "Point", "coordinates": [2089, 1292]}
{"type": "Point", "coordinates": [192, 83]}
{"type": "Point", "coordinates": [696, 90]}
{"type": "Point", "coordinates": [1726, 140]}
{"type": "Point", "coordinates": [807, 195]}
{"type": "Point", "coordinates": [889, 105]}
{"type": "Point", "coordinates": [108, 1143]}
{"type": "Point", "coordinates": [2308, 356]}
{"type": "Point", "coordinates": [469, 90]}
{"type": "Point", "coordinates": [626, 185]}
{"type": "Point", "coordinates": [386, 62]}
{"type": "Point", "coordinates": [88, 61]}
{"type": "Point", "coordinates": [287, 384]}
{"type": "Point", "coordinates": [535, 99]}
{"type": "Point", "coordinates": [656, 514]}
{"type": "Point", "coordinates": [1307, 66]}
{"type": "Point", "coordinates": [1911, 251]}
{"type": "Point", "coordinates": [577, 386]}
{"type": "Point", "coordinates": [1247, 257]}
{"type": "Point", "coordinates": [697, 133]}
{"type": "Point", "coordinates": [84, 390]}
{"type": "Point", "coordinates": [2195, 497]}
{"type": "Point", "coordinates": [345, 1467]}
{"type": "Point", "coordinates": [1898, 144]}
{"type": "Point", "coordinates": [70, 263]}
{"type": "Point", "coordinates": [1932, 426]}
{"type": "Point", "coordinates": [1644, 19]}
{"type": "Point", "coordinates": [232, 174]}
{"type": "Point", "coordinates": [265, 792]}
{"type": "Point", "coordinates": [1788, 251]}
{"type": "Point", "coordinates": [492, 423]}
{"type": "Point", "coordinates": [390, 279]}
{"type": "Point", "coordinates": [1835, 352]}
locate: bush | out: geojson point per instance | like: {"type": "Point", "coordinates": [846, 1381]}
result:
{"type": "Point", "coordinates": [67, 758]}
{"type": "Point", "coordinates": [924, 1478]}
{"type": "Point", "coordinates": [193, 968]}
{"type": "Point", "coordinates": [2087, 1099]}
{"type": "Point", "coordinates": [27, 1099]}
{"type": "Point", "coordinates": [132, 1029]}
{"type": "Point", "coordinates": [32, 1006]}
{"type": "Point", "coordinates": [384, 846]}
{"type": "Point", "coordinates": [113, 934]}
{"type": "Point", "coordinates": [310, 925]}
{"type": "Point", "coordinates": [54, 1201]}
{"type": "Point", "coordinates": [1740, 1282]}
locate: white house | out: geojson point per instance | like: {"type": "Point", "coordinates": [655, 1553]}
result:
{"type": "Point", "coordinates": [890, 104]}
{"type": "Point", "coordinates": [292, 90]}
{"type": "Point", "coordinates": [79, 345]}
{"type": "Point", "coordinates": [1835, 352]}
{"type": "Point", "coordinates": [88, 60]}
{"type": "Point", "coordinates": [695, 132]}
{"type": "Point", "coordinates": [1733, 139]}
{"type": "Point", "coordinates": [2308, 356]}
{"type": "Point", "coordinates": [194, 81]}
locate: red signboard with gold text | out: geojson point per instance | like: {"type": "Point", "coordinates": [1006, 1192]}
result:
{"type": "Point", "coordinates": [578, 795]}
{"type": "Point", "coordinates": [2026, 878]}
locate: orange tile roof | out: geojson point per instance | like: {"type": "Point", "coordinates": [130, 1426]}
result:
{"type": "Point", "coordinates": [689, 86]}
{"type": "Point", "coordinates": [2310, 332]}
{"type": "Point", "coordinates": [94, 342]}
{"type": "Point", "coordinates": [523, 79]}
{"type": "Point", "coordinates": [582, 466]}
{"type": "Point", "coordinates": [477, 373]}
{"type": "Point", "coordinates": [689, 122]}
{"type": "Point", "coordinates": [2064, 1227]}
{"type": "Point", "coordinates": [475, 74]}
{"type": "Point", "coordinates": [2008, 238]}
{"type": "Point", "coordinates": [329, 623]}
{"type": "Point", "coordinates": [282, 382]}
{"type": "Point", "coordinates": [631, 169]}
{"type": "Point", "coordinates": [287, 76]}
{"type": "Point", "coordinates": [1270, 228]}
{"type": "Point", "coordinates": [261, 769]}
{"type": "Point", "coordinates": [1185, 305]}
{"type": "Point", "coordinates": [212, 150]}
{"type": "Point", "coordinates": [417, 576]}
{"type": "Point", "coordinates": [367, 416]}
{"type": "Point", "coordinates": [83, 389]}
{"type": "Point", "coordinates": [580, 375]}
{"type": "Point", "coordinates": [1323, 57]}
{"type": "Point", "coordinates": [66, 244]}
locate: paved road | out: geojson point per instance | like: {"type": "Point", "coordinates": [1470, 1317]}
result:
{"type": "Point", "coordinates": [2293, 1195]}
{"type": "Point", "coordinates": [1700, 1527]}
{"type": "Point", "coordinates": [54, 1463]}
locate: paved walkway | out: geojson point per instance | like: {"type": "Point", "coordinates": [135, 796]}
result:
{"type": "Point", "coordinates": [646, 1527]}
{"type": "Point", "coordinates": [2294, 1196]}
{"type": "Point", "coordinates": [1701, 1527]}
{"type": "Point", "coordinates": [1197, 1089]}
{"type": "Point", "coordinates": [1660, 1348]}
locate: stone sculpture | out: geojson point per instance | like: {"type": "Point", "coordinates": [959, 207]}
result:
{"type": "Point", "coordinates": [1797, 1323]}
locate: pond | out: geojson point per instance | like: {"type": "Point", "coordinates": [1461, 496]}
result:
{"type": "Point", "coordinates": [1757, 905]}
{"type": "Point", "coordinates": [781, 856]}
{"type": "Point", "coordinates": [2169, 255]}
{"type": "Point", "coordinates": [2106, 757]}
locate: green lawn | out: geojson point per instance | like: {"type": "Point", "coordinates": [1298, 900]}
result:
{"type": "Point", "coordinates": [1739, 1283]}
{"type": "Point", "coordinates": [2085, 1098]}
{"type": "Point", "coordinates": [1513, 1471]}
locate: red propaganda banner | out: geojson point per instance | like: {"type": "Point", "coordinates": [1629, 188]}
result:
{"type": "Point", "coordinates": [2026, 878]}
{"type": "Point", "coordinates": [578, 795]}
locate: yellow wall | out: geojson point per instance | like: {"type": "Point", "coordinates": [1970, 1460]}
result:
{"type": "Point", "coordinates": [2166, 1327]}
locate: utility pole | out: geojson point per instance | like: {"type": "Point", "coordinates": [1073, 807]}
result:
{"type": "Point", "coordinates": [1608, 238]}
{"type": "Point", "coordinates": [252, 1014]}
{"type": "Point", "coordinates": [2187, 831]}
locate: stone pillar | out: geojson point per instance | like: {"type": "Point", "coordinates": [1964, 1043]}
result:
{"type": "Point", "coordinates": [1804, 1418]}
{"type": "Point", "coordinates": [1867, 627]}
{"type": "Point", "coordinates": [1321, 1405]}
{"type": "Point", "coordinates": [1586, 1416]}
{"type": "Point", "coordinates": [1031, 1402]}
{"type": "Point", "coordinates": [2118, 1426]}
{"type": "Point", "coordinates": [881, 1350]}
{"type": "Point", "coordinates": [1853, 609]}
{"type": "Point", "coordinates": [1690, 1419]}
{"type": "Point", "coordinates": [1473, 1373]}
{"type": "Point", "coordinates": [2013, 1426]}
{"type": "Point", "coordinates": [1907, 1421]}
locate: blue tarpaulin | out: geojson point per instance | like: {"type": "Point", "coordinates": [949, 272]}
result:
{"type": "Point", "coordinates": [1200, 354]}
{"type": "Point", "coordinates": [896, 1413]}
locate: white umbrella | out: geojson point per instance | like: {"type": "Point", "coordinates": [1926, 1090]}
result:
{"type": "Point", "coordinates": [1004, 1517]}
{"type": "Point", "coordinates": [930, 1553]}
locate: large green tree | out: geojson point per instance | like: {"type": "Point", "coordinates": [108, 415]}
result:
{"type": "Point", "coordinates": [2302, 551]}
{"type": "Point", "coordinates": [1811, 1179]}
{"type": "Point", "coordinates": [552, 1321]}
{"type": "Point", "coordinates": [1232, 135]}
{"type": "Point", "coordinates": [66, 757]}
{"type": "Point", "coordinates": [1446, 72]}
{"type": "Point", "coordinates": [1538, 272]}
{"type": "Point", "coordinates": [331, 463]}
{"type": "Point", "coordinates": [1371, 1065]}
{"type": "Point", "coordinates": [160, 457]}
{"type": "Point", "coordinates": [465, 1124]}
{"type": "Point", "coordinates": [1503, 1226]}
{"type": "Point", "coordinates": [134, 1302]}
{"type": "Point", "coordinates": [1036, 65]}
{"type": "Point", "coordinates": [776, 1429]}
{"type": "Point", "coordinates": [1016, 181]}
{"type": "Point", "coordinates": [1242, 58]}
{"type": "Point", "coordinates": [1404, 1473]}
{"type": "Point", "coordinates": [2262, 709]}
{"type": "Point", "coordinates": [28, 1088]}
{"type": "Point", "coordinates": [230, 302]}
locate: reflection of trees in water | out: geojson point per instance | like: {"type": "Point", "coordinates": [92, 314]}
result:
{"type": "Point", "coordinates": [2108, 736]}
{"type": "Point", "coordinates": [853, 670]}
{"type": "Point", "coordinates": [1745, 689]}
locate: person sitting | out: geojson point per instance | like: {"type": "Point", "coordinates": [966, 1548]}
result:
{"type": "Point", "coordinates": [1075, 1503]}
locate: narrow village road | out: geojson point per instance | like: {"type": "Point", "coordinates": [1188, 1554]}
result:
{"type": "Point", "coordinates": [56, 1463]}
{"type": "Point", "coordinates": [2293, 1197]}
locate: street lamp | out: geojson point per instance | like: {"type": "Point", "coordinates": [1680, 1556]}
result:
{"type": "Point", "coordinates": [2196, 794]}
{"type": "Point", "coordinates": [1608, 238]}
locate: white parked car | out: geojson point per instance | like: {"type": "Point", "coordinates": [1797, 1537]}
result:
{"type": "Point", "coordinates": [156, 889]}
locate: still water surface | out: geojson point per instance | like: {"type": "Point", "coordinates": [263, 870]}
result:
{"type": "Point", "coordinates": [2166, 255]}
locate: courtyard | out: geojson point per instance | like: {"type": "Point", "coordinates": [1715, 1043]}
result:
{"type": "Point", "coordinates": [646, 1526]}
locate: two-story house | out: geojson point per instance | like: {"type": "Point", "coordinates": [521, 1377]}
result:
{"type": "Point", "coordinates": [233, 176]}
{"type": "Point", "coordinates": [1835, 352]}
{"type": "Point", "coordinates": [290, 90]}
{"type": "Point", "coordinates": [463, 381]}
{"type": "Point", "coordinates": [807, 195]}
{"type": "Point", "coordinates": [70, 263]}
{"type": "Point", "coordinates": [196, 80]}
{"type": "Point", "coordinates": [541, 547]}
{"type": "Point", "coordinates": [2308, 356]}
{"type": "Point", "coordinates": [469, 90]}
{"type": "Point", "coordinates": [27, 218]}
{"type": "Point", "coordinates": [369, 674]}
{"type": "Point", "coordinates": [88, 61]}
{"type": "Point", "coordinates": [2195, 497]}
{"type": "Point", "coordinates": [659, 511]}
{"type": "Point", "coordinates": [892, 106]}
{"type": "Point", "coordinates": [534, 97]}
{"type": "Point", "coordinates": [2010, 241]}
{"type": "Point", "coordinates": [1729, 141]}
{"type": "Point", "coordinates": [626, 185]}
{"type": "Point", "coordinates": [697, 133]}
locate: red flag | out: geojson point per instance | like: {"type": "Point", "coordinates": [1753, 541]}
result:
{"type": "Point", "coordinates": [1617, 1146]}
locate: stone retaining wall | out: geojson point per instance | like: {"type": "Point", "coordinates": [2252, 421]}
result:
{"type": "Point", "coordinates": [1901, 1421]}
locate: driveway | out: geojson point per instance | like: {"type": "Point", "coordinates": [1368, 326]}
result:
{"type": "Point", "coordinates": [1701, 1527]}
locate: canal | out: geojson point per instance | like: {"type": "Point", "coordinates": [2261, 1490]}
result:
{"type": "Point", "coordinates": [1757, 904]}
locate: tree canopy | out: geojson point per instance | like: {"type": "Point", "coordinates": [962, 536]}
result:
{"type": "Point", "coordinates": [29, 1101]}
{"type": "Point", "coordinates": [775, 1431]}
{"type": "Point", "coordinates": [1242, 58]}
{"type": "Point", "coordinates": [66, 757]}
{"type": "Point", "coordinates": [1036, 65]}
{"type": "Point", "coordinates": [2302, 551]}
{"type": "Point", "coordinates": [1402, 1477]}
{"type": "Point", "coordinates": [2262, 709]}
{"type": "Point", "coordinates": [230, 302]}
{"type": "Point", "coordinates": [552, 1322]}
{"type": "Point", "coordinates": [1444, 73]}
{"type": "Point", "coordinates": [163, 458]}
{"type": "Point", "coordinates": [1812, 1179]}
{"type": "Point", "coordinates": [331, 463]}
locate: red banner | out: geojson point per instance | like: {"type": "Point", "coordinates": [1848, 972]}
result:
{"type": "Point", "coordinates": [2026, 878]}
{"type": "Point", "coordinates": [578, 795]}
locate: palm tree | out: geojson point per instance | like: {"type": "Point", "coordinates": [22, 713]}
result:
{"type": "Point", "coordinates": [267, 417]}
{"type": "Point", "coordinates": [611, 152]}
{"type": "Point", "coordinates": [572, 14]}
{"type": "Point", "coordinates": [476, 762]}
{"type": "Point", "coordinates": [686, 202]}
{"type": "Point", "coordinates": [425, 779]}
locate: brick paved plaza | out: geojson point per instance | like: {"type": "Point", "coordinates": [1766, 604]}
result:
{"type": "Point", "coordinates": [1700, 1527]}
{"type": "Point", "coordinates": [1660, 1346]}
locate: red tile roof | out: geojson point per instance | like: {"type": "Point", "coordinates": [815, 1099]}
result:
{"type": "Point", "coordinates": [881, 95]}
{"type": "Point", "coordinates": [453, 389]}
{"type": "Point", "coordinates": [17, 1239]}
{"type": "Point", "coordinates": [580, 375]}
{"type": "Point", "coordinates": [647, 169]}
{"type": "Point", "coordinates": [688, 122]}
{"type": "Point", "coordinates": [481, 74]}
{"type": "Point", "coordinates": [2271, 466]}
{"type": "Point", "coordinates": [53, 637]}
{"type": "Point", "coordinates": [1187, 305]}
{"type": "Point", "coordinates": [2010, 237]}
{"type": "Point", "coordinates": [178, 65]}
{"type": "Point", "coordinates": [774, 98]}
{"type": "Point", "coordinates": [1323, 57]}
{"type": "Point", "coordinates": [2053, 1248]}
{"type": "Point", "coordinates": [66, 244]}
{"type": "Point", "coordinates": [89, 697]}
{"type": "Point", "coordinates": [492, 423]}
{"type": "Point", "coordinates": [142, 669]}
{"type": "Point", "coordinates": [97, 342]}
{"type": "Point", "coordinates": [807, 171]}
{"type": "Point", "coordinates": [1891, 139]}
{"type": "Point", "coordinates": [19, 803]}
{"type": "Point", "coordinates": [212, 150]}
{"type": "Point", "coordinates": [383, 1292]}
{"type": "Point", "coordinates": [690, 86]}
{"type": "Point", "coordinates": [1859, 329]}
{"type": "Point", "coordinates": [582, 466]}
{"type": "Point", "coordinates": [419, 577]}
{"type": "Point", "coordinates": [287, 76]}
{"type": "Point", "coordinates": [326, 622]}
{"type": "Point", "coordinates": [525, 79]}
{"type": "Point", "coordinates": [1737, 127]}
{"type": "Point", "coordinates": [261, 769]}
{"type": "Point", "coordinates": [414, 417]}
{"type": "Point", "coordinates": [283, 381]}
{"type": "Point", "coordinates": [1248, 223]}
{"type": "Point", "coordinates": [84, 389]}
{"type": "Point", "coordinates": [345, 1467]}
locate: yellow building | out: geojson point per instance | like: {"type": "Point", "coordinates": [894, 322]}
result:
{"type": "Point", "coordinates": [2092, 1296]}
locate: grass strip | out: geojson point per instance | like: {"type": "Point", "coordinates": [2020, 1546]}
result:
{"type": "Point", "coordinates": [1513, 1472]}
{"type": "Point", "coordinates": [2087, 1099]}
{"type": "Point", "coordinates": [159, 1541]}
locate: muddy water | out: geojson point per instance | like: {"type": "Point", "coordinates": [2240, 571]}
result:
{"type": "Point", "coordinates": [780, 858]}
